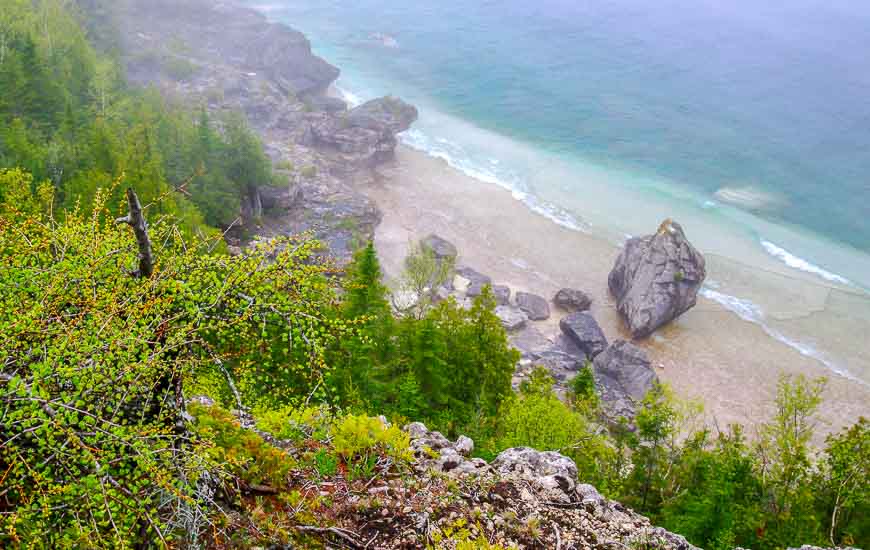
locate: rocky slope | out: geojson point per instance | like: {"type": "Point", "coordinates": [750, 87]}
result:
{"type": "Point", "coordinates": [436, 497]}
{"type": "Point", "coordinates": [230, 57]}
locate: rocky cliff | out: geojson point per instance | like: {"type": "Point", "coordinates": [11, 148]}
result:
{"type": "Point", "coordinates": [230, 57]}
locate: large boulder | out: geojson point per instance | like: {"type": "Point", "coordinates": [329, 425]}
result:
{"type": "Point", "coordinates": [441, 248]}
{"type": "Point", "coordinates": [533, 305]}
{"type": "Point", "coordinates": [572, 300]}
{"type": "Point", "coordinates": [623, 376]}
{"type": "Point", "coordinates": [656, 278]}
{"type": "Point", "coordinates": [583, 331]}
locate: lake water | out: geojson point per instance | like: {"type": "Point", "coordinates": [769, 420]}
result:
{"type": "Point", "coordinates": [747, 122]}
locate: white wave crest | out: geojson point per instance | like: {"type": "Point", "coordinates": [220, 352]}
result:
{"type": "Point", "coordinates": [799, 263]}
{"type": "Point", "coordinates": [349, 97]}
{"type": "Point", "coordinates": [752, 312]}
{"type": "Point", "coordinates": [454, 155]}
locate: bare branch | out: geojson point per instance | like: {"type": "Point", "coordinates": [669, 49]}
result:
{"type": "Point", "coordinates": [136, 220]}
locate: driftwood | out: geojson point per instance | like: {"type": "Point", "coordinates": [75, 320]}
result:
{"type": "Point", "coordinates": [136, 220]}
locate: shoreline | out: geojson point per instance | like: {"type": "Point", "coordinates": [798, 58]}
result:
{"type": "Point", "coordinates": [710, 354]}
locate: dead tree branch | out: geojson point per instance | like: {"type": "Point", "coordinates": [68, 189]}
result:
{"type": "Point", "coordinates": [136, 220]}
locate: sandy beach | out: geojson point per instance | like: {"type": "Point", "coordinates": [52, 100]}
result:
{"type": "Point", "coordinates": [709, 354]}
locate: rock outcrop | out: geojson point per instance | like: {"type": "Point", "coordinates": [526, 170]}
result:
{"type": "Point", "coordinates": [236, 60]}
{"type": "Point", "coordinates": [234, 34]}
{"type": "Point", "coordinates": [572, 300]}
{"type": "Point", "coordinates": [583, 331]}
{"type": "Point", "coordinates": [656, 278]}
{"type": "Point", "coordinates": [365, 135]}
{"type": "Point", "coordinates": [536, 307]}
{"type": "Point", "coordinates": [623, 376]}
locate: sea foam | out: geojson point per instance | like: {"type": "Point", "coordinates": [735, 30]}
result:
{"type": "Point", "coordinates": [795, 262]}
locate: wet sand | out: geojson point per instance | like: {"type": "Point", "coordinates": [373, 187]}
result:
{"type": "Point", "coordinates": [709, 354]}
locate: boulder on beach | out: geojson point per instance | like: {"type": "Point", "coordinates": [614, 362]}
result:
{"type": "Point", "coordinates": [583, 331]}
{"type": "Point", "coordinates": [623, 376]}
{"type": "Point", "coordinates": [656, 278]}
{"type": "Point", "coordinates": [502, 294]}
{"type": "Point", "coordinates": [572, 300]}
{"type": "Point", "coordinates": [476, 281]}
{"type": "Point", "coordinates": [511, 318]}
{"type": "Point", "coordinates": [536, 307]}
{"type": "Point", "coordinates": [441, 248]}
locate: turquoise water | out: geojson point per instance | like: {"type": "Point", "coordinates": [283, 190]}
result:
{"type": "Point", "coordinates": [762, 106]}
{"type": "Point", "coordinates": [746, 121]}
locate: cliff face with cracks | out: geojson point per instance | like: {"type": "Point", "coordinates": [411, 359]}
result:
{"type": "Point", "coordinates": [230, 57]}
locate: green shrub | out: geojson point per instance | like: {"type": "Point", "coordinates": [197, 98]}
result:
{"type": "Point", "coordinates": [178, 68]}
{"type": "Point", "coordinates": [294, 423]}
{"type": "Point", "coordinates": [240, 452]}
{"type": "Point", "coordinates": [358, 437]}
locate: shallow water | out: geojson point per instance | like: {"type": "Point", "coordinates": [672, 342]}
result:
{"type": "Point", "coordinates": [745, 122]}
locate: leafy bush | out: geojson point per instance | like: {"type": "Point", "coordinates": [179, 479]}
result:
{"type": "Point", "coordinates": [357, 437]}
{"type": "Point", "coordinates": [238, 451]}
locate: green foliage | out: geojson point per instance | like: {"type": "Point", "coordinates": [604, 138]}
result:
{"type": "Point", "coordinates": [356, 438]}
{"type": "Point", "coordinates": [538, 419]}
{"type": "Point", "coordinates": [294, 423]}
{"type": "Point", "coordinates": [423, 274]}
{"type": "Point", "coordinates": [843, 491]}
{"type": "Point", "coordinates": [785, 462]}
{"type": "Point", "coordinates": [67, 117]}
{"type": "Point", "coordinates": [95, 363]}
{"type": "Point", "coordinates": [238, 451]}
{"type": "Point", "coordinates": [583, 391]}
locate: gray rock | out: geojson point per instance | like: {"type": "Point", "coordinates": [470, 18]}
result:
{"type": "Point", "coordinates": [562, 366]}
{"type": "Point", "coordinates": [547, 471]}
{"type": "Point", "coordinates": [572, 300]}
{"type": "Point", "coordinates": [366, 135]}
{"type": "Point", "coordinates": [530, 341]}
{"type": "Point", "coordinates": [512, 319]}
{"type": "Point", "coordinates": [442, 249]}
{"type": "Point", "coordinates": [656, 278]}
{"type": "Point", "coordinates": [416, 430]}
{"type": "Point", "coordinates": [464, 445]}
{"type": "Point", "coordinates": [623, 376]}
{"type": "Point", "coordinates": [476, 281]}
{"type": "Point", "coordinates": [536, 307]}
{"type": "Point", "coordinates": [502, 294]}
{"type": "Point", "coordinates": [583, 331]}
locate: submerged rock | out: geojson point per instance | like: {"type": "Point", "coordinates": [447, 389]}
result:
{"type": "Point", "coordinates": [623, 376]}
{"type": "Point", "coordinates": [583, 331]}
{"type": "Point", "coordinates": [572, 300]}
{"type": "Point", "coordinates": [656, 278]}
{"type": "Point", "coordinates": [533, 305]}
